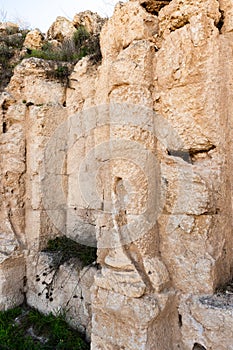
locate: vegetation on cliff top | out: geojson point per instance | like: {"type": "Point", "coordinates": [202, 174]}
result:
{"type": "Point", "coordinates": [72, 50]}
{"type": "Point", "coordinates": [11, 43]}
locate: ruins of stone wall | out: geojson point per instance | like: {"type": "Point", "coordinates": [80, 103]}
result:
{"type": "Point", "coordinates": [152, 126]}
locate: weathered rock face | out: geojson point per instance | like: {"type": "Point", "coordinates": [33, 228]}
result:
{"type": "Point", "coordinates": [91, 21]}
{"type": "Point", "coordinates": [34, 40]}
{"type": "Point", "coordinates": [61, 29]}
{"type": "Point", "coordinates": [133, 155]}
{"type": "Point", "coordinates": [65, 289]}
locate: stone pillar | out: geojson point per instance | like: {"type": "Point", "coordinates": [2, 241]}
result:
{"type": "Point", "coordinates": [12, 212]}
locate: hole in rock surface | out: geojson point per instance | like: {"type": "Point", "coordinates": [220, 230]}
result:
{"type": "Point", "coordinates": [180, 320]}
{"type": "Point", "coordinates": [198, 347]}
{"type": "Point", "coordinates": [185, 155]}
{"type": "Point", "coordinates": [154, 6]}
{"type": "Point", "coordinates": [4, 127]}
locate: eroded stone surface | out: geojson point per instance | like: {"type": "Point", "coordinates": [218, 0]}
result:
{"type": "Point", "coordinates": [61, 29]}
{"type": "Point", "coordinates": [226, 8]}
{"type": "Point", "coordinates": [156, 110]}
{"type": "Point", "coordinates": [34, 40]}
{"type": "Point", "coordinates": [65, 288]}
{"type": "Point", "coordinates": [90, 20]}
{"type": "Point", "coordinates": [207, 322]}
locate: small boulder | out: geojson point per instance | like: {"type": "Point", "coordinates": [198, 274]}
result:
{"type": "Point", "coordinates": [62, 29]}
{"type": "Point", "coordinates": [34, 40]}
{"type": "Point", "coordinates": [90, 20]}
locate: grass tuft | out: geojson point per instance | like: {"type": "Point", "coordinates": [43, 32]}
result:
{"type": "Point", "coordinates": [24, 328]}
{"type": "Point", "coordinates": [67, 249]}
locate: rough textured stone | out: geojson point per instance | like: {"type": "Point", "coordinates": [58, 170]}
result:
{"type": "Point", "coordinates": [34, 40]}
{"type": "Point", "coordinates": [207, 321]}
{"type": "Point", "coordinates": [153, 6]}
{"type": "Point", "coordinates": [111, 310]}
{"type": "Point", "coordinates": [90, 20]}
{"type": "Point", "coordinates": [179, 12]}
{"type": "Point", "coordinates": [226, 8]}
{"type": "Point", "coordinates": [81, 90]}
{"type": "Point", "coordinates": [61, 29]}
{"type": "Point", "coordinates": [68, 288]}
{"type": "Point", "coordinates": [130, 22]}
{"type": "Point", "coordinates": [137, 154]}
{"type": "Point", "coordinates": [13, 282]}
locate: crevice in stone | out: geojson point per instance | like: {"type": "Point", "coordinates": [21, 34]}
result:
{"type": "Point", "coordinates": [180, 24]}
{"type": "Point", "coordinates": [149, 9]}
{"type": "Point", "coordinates": [5, 106]}
{"type": "Point", "coordinates": [116, 86]}
{"type": "Point", "coordinates": [199, 151]}
{"type": "Point", "coordinates": [24, 289]}
{"type": "Point", "coordinates": [214, 211]}
{"type": "Point", "coordinates": [225, 289]}
{"type": "Point", "coordinates": [4, 127]}
{"type": "Point", "coordinates": [188, 156]}
{"type": "Point", "coordinates": [221, 21]}
{"type": "Point", "coordinates": [180, 320]}
{"type": "Point", "coordinates": [138, 264]}
{"type": "Point", "coordinates": [4, 110]}
{"type": "Point", "coordinates": [185, 155]}
{"type": "Point", "coordinates": [195, 153]}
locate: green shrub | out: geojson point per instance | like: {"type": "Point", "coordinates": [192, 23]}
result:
{"type": "Point", "coordinates": [6, 53]}
{"type": "Point", "coordinates": [66, 249]}
{"type": "Point", "coordinates": [12, 30]}
{"type": "Point", "coordinates": [80, 36]}
{"type": "Point", "coordinates": [27, 329]}
{"type": "Point", "coordinates": [72, 50]}
{"type": "Point", "coordinates": [10, 46]}
{"type": "Point", "coordinates": [65, 53]}
{"type": "Point", "coordinates": [61, 72]}
{"type": "Point", "coordinates": [15, 41]}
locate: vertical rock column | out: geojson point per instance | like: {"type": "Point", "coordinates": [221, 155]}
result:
{"type": "Point", "coordinates": [131, 302]}
{"type": "Point", "coordinates": [38, 99]}
{"type": "Point", "coordinates": [12, 213]}
{"type": "Point", "coordinates": [196, 225]}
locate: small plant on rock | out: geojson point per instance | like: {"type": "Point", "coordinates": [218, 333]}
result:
{"type": "Point", "coordinates": [68, 249]}
{"type": "Point", "coordinates": [70, 50]}
{"type": "Point", "coordinates": [61, 250]}
{"type": "Point", "coordinates": [24, 328]}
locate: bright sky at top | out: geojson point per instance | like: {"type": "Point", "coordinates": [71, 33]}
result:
{"type": "Point", "coordinates": [42, 13]}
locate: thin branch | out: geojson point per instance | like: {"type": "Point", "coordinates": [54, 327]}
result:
{"type": "Point", "coordinates": [3, 15]}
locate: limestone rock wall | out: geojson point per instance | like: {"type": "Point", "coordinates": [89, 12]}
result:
{"type": "Point", "coordinates": [179, 74]}
{"type": "Point", "coordinates": [133, 155]}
